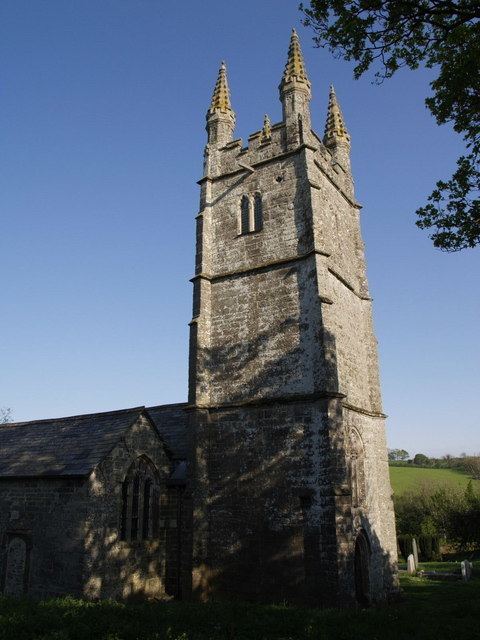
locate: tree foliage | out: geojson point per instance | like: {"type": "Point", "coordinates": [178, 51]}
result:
{"type": "Point", "coordinates": [472, 466]}
{"type": "Point", "coordinates": [5, 415]}
{"type": "Point", "coordinates": [421, 460]}
{"type": "Point", "coordinates": [397, 454]}
{"type": "Point", "coordinates": [444, 511]}
{"type": "Point", "coordinates": [440, 34]}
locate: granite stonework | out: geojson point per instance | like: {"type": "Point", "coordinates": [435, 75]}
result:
{"type": "Point", "coordinates": [284, 383]}
{"type": "Point", "coordinates": [271, 483]}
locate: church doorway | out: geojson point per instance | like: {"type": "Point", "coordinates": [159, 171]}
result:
{"type": "Point", "coordinates": [16, 566]}
{"type": "Point", "coordinates": [362, 570]}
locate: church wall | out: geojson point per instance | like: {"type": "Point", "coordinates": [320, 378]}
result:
{"type": "Point", "coordinates": [376, 516]}
{"type": "Point", "coordinates": [41, 536]}
{"type": "Point", "coordinates": [342, 279]}
{"type": "Point", "coordinates": [337, 231]}
{"type": "Point", "coordinates": [117, 568]}
{"type": "Point", "coordinates": [264, 505]}
{"type": "Point", "coordinates": [256, 336]}
{"type": "Point", "coordinates": [280, 187]}
{"type": "Point", "coordinates": [356, 358]}
{"type": "Point", "coordinates": [256, 344]}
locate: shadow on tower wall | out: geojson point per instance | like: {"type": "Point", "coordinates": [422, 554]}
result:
{"type": "Point", "coordinates": [270, 481]}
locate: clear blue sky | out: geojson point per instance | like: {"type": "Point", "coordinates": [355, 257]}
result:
{"type": "Point", "coordinates": [102, 115]}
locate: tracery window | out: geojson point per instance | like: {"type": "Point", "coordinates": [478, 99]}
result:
{"type": "Point", "coordinates": [140, 510]}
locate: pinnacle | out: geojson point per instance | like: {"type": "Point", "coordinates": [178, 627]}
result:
{"type": "Point", "coordinates": [295, 67]}
{"type": "Point", "coordinates": [267, 129]}
{"type": "Point", "coordinates": [221, 93]}
{"type": "Point", "coordinates": [335, 129]}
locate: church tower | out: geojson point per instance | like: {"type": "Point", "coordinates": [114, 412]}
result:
{"type": "Point", "coordinates": [289, 473]}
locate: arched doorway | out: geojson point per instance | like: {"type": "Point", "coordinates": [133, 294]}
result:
{"type": "Point", "coordinates": [16, 567]}
{"type": "Point", "coordinates": [362, 569]}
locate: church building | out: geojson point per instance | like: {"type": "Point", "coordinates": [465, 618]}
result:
{"type": "Point", "coordinates": [271, 483]}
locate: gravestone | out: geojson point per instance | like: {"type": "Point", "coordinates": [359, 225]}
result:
{"type": "Point", "coordinates": [411, 569]}
{"type": "Point", "coordinates": [415, 552]}
{"type": "Point", "coordinates": [466, 570]}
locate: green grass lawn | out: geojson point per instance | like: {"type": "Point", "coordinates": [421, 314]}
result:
{"type": "Point", "coordinates": [431, 610]}
{"type": "Point", "coordinates": [412, 478]}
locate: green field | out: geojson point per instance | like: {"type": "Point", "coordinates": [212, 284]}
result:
{"type": "Point", "coordinates": [412, 478]}
{"type": "Point", "coordinates": [428, 610]}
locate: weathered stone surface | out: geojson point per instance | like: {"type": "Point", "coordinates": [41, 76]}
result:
{"type": "Point", "coordinates": [415, 552]}
{"type": "Point", "coordinates": [466, 567]}
{"type": "Point", "coordinates": [289, 452]}
{"type": "Point", "coordinates": [411, 567]}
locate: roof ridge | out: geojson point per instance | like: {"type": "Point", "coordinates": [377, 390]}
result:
{"type": "Point", "coordinates": [170, 404]}
{"type": "Point", "coordinates": [81, 415]}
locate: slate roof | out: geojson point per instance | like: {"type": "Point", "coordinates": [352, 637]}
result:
{"type": "Point", "coordinates": [69, 446]}
{"type": "Point", "coordinates": [171, 421]}
{"type": "Point", "coordinates": [74, 445]}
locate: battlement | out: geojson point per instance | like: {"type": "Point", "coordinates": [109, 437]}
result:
{"type": "Point", "coordinates": [234, 158]}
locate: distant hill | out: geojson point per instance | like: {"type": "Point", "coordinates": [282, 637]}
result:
{"type": "Point", "coordinates": [411, 478]}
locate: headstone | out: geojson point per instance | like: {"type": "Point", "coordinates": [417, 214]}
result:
{"type": "Point", "coordinates": [415, 552]}
{"type": "Point", "coordinates": [466, 570]}
{"type": "Point", "coordinates": [411, 569]}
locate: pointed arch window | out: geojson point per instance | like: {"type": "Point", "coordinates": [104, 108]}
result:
{"type": "Point", "coordinates": [147, 488]}
{"type": "Point", "coordinates": [257, 212]}
{"type": "Point", "coordinates": [251, 219]}
{"type": "Point", "coordinates": [140, 508]}
{"type": "Point", "coordinates": [245, 215]}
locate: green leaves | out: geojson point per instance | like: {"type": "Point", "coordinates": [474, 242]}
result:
{"type": "Point", "coordinates": [453, 208]}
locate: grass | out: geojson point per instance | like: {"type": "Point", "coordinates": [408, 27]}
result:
{"type": "Point", "coordinates": [412, 478]}
{"type": "Point", "coordinates": [431, 610]}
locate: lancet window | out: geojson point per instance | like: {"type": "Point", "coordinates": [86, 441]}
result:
{"type": "Point", "coordinates": [257, 212]}
{"type": "Point", "coordinates": [245, 215]}
{"type": "Point", "coordinates": [251, 220]}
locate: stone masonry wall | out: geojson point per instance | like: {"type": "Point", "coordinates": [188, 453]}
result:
{"type": "Point", "coordinates": [279, 184]}
{"type": "Point", "coordinates": [265, 518]}
{"type": "Point", "coordinates": [260, 346]}
{"type": "Point", "coordinates": [41, 536]}
{"type": "Point", "coordinates": [377, 516]}
{"type": "Point", "coordinates": [118, 568]}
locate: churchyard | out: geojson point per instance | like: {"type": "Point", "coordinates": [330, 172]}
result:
{"type": "Point", "coordinates": [428, 609]}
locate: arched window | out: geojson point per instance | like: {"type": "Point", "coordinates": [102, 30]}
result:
{"type": "Point", "coordinates": [258, 212]}
{"type": "Point", "coordinates": [134, 519]}
{"type": "Point", "coordinates": [245, 215]}
{"type": "Point", "coordinates": [140, 508]}
{"type": "Point", "coordinates": [123, 519]}
{"type": "Point", "coordinates": [356, 454]}
{"type": "Point", "coordinates": [147, 488]}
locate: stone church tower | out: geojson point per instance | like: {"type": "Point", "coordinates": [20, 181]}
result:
{"type": "Point", "coordinates": [289, 475]}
